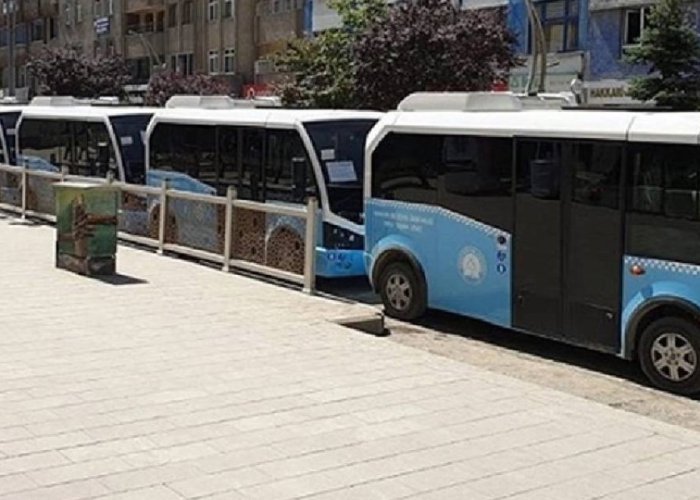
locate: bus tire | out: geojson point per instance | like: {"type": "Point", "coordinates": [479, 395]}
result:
{"type": "Point", "coordinates": [669, 354]}
{"type": "Point", "coordinates": [403, 291]}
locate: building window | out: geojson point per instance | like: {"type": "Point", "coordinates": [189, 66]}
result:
{"type": "Point", "coordinates": [187, 8]}
{"type": "Point", "coordinates": [213, 62]}
{"type": "Point", "coordinates": [228, 8]}
{"type": "Point", "coordinates": [229, 60]}
{"type": "Point", "coordinates": [182, 63]}
{"type": "Point", "coordinates": [213, 12]}
{"type": "Point", "coordinates": [635, 22]}
{"type": "Point", "coordinates": [78, 12]}
{"type": "Point", "coordinates": [560, 23]}
{"type": "Point", "coordinates": [172, 15]}
{"type": "Point", "coordinates": [38, 32]}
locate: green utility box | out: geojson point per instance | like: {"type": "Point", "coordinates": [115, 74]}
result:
{"type": "Point", "coordinates": [86, 227]}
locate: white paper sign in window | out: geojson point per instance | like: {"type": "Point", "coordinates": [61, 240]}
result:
{"type": "Point", "coordinates": [327, 154]}
{"type": "Point", "coordinates": [341, 171]}
{"type": "Point", "coordinates": [126, 140]}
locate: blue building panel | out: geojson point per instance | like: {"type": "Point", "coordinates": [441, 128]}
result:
{"type": "Point", "coordinates": [605, 37]}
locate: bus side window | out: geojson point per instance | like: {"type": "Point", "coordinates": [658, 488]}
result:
{"type": "Point", "coordinates": [662, 219]}
{"type": "Point", "coordinates": [288, 173]}
{"type": "Point", "coordinates": [664, 180]}
{"type": "Point", "coordinates": [46, 144]}
{"type": "Point", "coordinates": [229, 157]}
{"type": "Point", "coordinates": [161, 150]}
{"type": "Point", "coordinates": [405, 167]}
{"type": "Point", "coordinates": [477, 179]}
{"type": "Point", "coordinates": [596, 169]}
{"type": "Point", "coordinates": [538, 169]}
{"type": "Point", "coordinates": [251, 180]}
{"type": "Point", "coordinates": [93, 149]}
{"type": "Point", "coordinates": [199, 148]}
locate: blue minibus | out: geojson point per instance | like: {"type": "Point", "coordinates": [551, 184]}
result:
{"type": "Point", "coordinates": [577, 225]}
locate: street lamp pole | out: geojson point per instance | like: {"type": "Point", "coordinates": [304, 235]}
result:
{"type": "Point", "coordinates": [10, 11]}
{"type": "Point", "coordinates": [539, 48]}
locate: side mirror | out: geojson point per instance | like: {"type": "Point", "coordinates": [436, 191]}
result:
{"type": "Point", "coordinates": [299, 169]}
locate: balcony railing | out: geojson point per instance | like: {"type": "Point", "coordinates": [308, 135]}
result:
{"type": "Point", "coordinates": [143, 5]}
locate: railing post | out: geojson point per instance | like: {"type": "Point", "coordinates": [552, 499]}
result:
{"type": "Point", "coordinates": [24, 190]}
{"type": "Point", "coordinates": [310, 246]}
{"type": "Point", "coordinates": [228, 228]}
{"type": "Point", "coordinates": [163, 216]}
{"type": "Point", "coordinates": [64, 172]}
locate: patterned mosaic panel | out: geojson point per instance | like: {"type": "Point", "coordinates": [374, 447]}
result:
{"type": "Point", "coordinates": [248, 242]}
{"type": "Point", "coordinates": [284, 243]}
{"type": "Point", "coordinates": [271, 240]}
{"type": "Point", "coordinates": [10, 192]}
{"type": "Point", "coordinates": [196, 224]}
{"type": "Point", "coordinates": [40, 195]}
{"type": "Point", "coordinates": [133, 214]}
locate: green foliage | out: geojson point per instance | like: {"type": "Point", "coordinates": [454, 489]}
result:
{"type": "Point", "coordinates": [322, 69]}
{"type": "Point", "coordinates": [165, 84]}
{"type": "Point", "coordinates": [70, 72]}
{"type": "Point", "coordinates": [671, 47]}
{"type": "Point", "coordinates": [382, 53]}
{"type": "Point", "coordinates": [431, 45]}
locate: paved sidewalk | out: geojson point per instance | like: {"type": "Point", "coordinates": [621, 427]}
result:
{"type": "Point", "coordinates": [185, 382]}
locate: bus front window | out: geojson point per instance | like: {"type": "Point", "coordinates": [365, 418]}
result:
{"type": "Point", "coordinates": [339, 147]}
{"type": "Point", "coordinates": [129, 131]}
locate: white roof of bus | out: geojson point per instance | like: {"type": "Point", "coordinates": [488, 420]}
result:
{"type": "Point", "coordinates": [679, 128]}
{"type": "Point", "coordinates": [88, 113]}
{"type": "Point", "coordinates": [11, 108]}
{"type": "Point", "coordinates": [257, 117]}
{"type": "Point", "coordinates": [584, 124]}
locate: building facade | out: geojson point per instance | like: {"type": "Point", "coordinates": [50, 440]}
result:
{"type": "Point", "coordinates": [26, 26]}
{"type": "Point", "coordinates": [217, 37]}
{"type": "Point", "coordinates": [586, 39]}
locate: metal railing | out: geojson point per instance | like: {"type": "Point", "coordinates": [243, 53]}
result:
{"type": "Point", "coordinates": [156, 211]}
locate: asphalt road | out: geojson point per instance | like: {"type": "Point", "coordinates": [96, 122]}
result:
{"type": "Point", "coordinates": [591, 375]}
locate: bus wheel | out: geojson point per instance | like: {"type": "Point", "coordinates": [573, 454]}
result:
{"type": "Point", "coordinates": [669, 351]}
{"type": "Point", "coordinates": [402, 291]}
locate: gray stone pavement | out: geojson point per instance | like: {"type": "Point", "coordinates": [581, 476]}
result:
{"type": "Point", "coordinates": [185, 382]}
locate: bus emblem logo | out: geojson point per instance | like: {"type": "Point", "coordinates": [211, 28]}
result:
{"type": "Point", "coordinates": [472, 265]}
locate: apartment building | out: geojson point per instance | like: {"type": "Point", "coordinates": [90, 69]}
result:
{"type": "Point", "coordinates": [190, 36]}
{"type": "Point", "coordinates": [277, 22]}
{"type": "Point", "coordinates": [25, 27]}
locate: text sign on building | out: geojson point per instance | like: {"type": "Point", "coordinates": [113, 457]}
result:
{"type": "Point", "coordinates": [608, 92]}
{"type": "Point", "coordinates": [102, 26]}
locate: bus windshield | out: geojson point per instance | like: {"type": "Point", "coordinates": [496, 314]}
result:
{"type": "Point", "coordinates": [129, 132]}
{"type": "Point", "coordinates": [339, 146]}
{"type": "Point", "coordinates": [8, 122]}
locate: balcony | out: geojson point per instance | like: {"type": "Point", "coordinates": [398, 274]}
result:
{"type": "Point", "coordinates": [135, 6]}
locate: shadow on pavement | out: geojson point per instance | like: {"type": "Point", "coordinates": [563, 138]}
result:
{"type": "Point", "coordinates": [443, 323]}
{"type": "Point", "coordinates": [120, 279]}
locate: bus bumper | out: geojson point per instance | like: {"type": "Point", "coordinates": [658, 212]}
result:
{"type": "Point", "coordinates": [339, 263]}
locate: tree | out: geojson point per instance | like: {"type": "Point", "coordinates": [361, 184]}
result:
{"type": "Point", "coordinates": [69, 72]}
{"type": "Point", "coordinates": [670, 46]}
{"type": "Point", "coordinates": [322, 69]}
{"type": "Point", "coordinates": [166, 84]}
{"type": "Point", "coordinates": [431, 45]}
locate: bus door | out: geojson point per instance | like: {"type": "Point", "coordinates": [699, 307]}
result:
{"type": "Point", "coordinates": [568, 240]}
